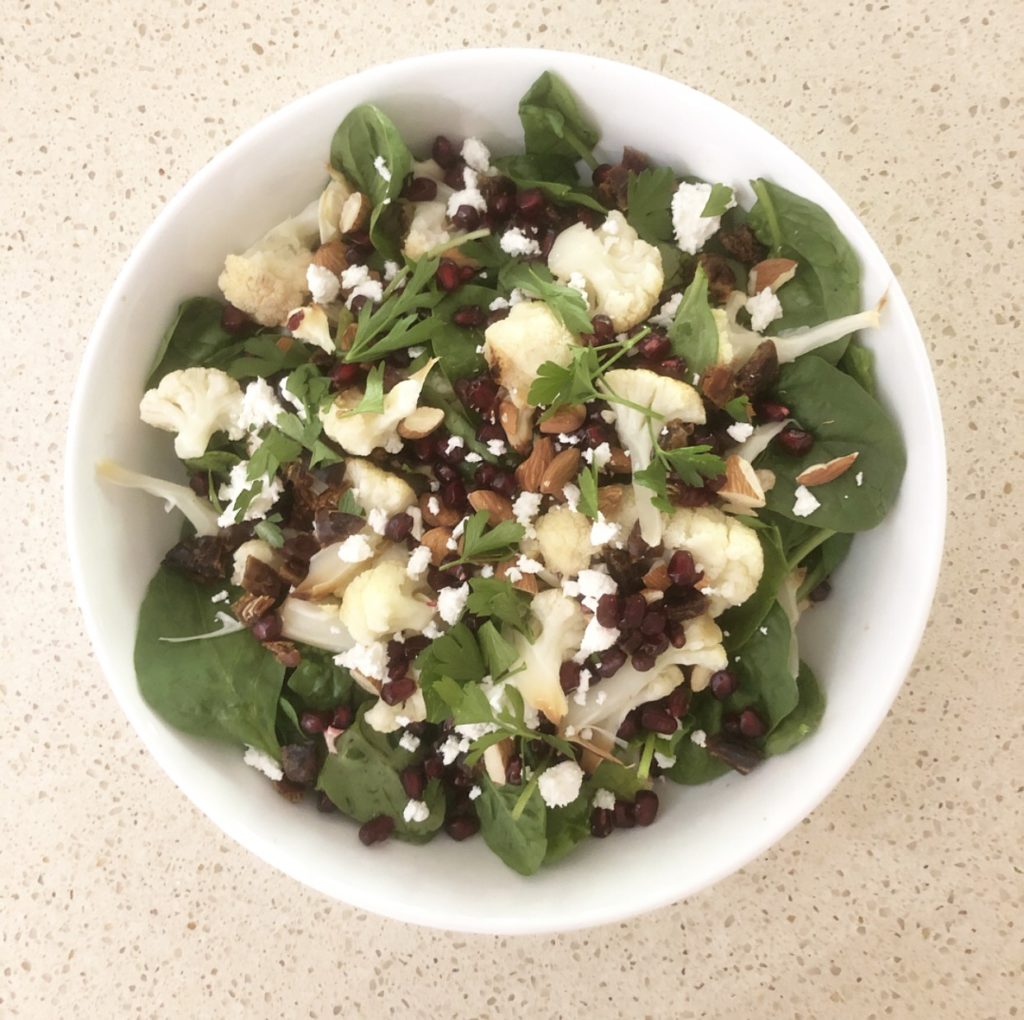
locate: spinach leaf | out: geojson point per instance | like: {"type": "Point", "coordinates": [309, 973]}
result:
{"type": "Point", "coordinates": [318, 683]}
{"type": "Point", "coordinates": [437, 392]}
{"type": "Point", "coordinates": [553, 176]}
{"type": "Point", "coordinates": [217, 462]}
{"type": "Point", "coordinates": [649, 204]}
{"type": "Point", "coordinates": [694, 765]}
{"type": "Point", "coordinates": [693, 333]}
{"type": "Point", "coordinates": [823, 561]}
{"type": "Point", "coordinates": [859, 363]}
{"type": "Point", "coordinates": [455, 345]}
{"type": "Point", "coordinates": [763, 670]}
{"type": "Point", "coordinates": [267, 355]}
{"type": "Point", "coordinates": [803, 720]}
{"type": "Point", "coordinates": [226, 688]}
{"type": "Point", "coordinates": [362, 781]}
{"type": "Point", "coordinates": [287, 728]}
{"type": "Point", "coordinates": [536, 279]}
{"type": "Point", "coordinates": [827, 282]}
{"type": "Point", "coordinates": [568, 827]}
{"type": "Point", "coordinates": [843, 419]}
{"type": "Point", "coordinates": [740, 622]}
{"type": "Point", "coordinates": [368, 148]}
{"type": "Point", "coordinates": [520, 842]}
{"type": "Point", "coordinates": [622, 780]}
{"type": "Point", "coordinates": [194, 337]}
{"type": "Point", "coordinates": [553, 124]}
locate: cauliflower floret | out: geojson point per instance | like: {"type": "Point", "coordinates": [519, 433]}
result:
{"type": "Point", "coordinates": [383, 601]}
{"type": "Point", "coordinates": [362, 433]}
{"type": "Point", "coordinates": [258, 550]}
{"type": "Point", "coordinates": [428, 226]}
{"type": "Point", "coordinates": [563, 538]}
{"type": "Point", "coordinates": [671, 399]}
{"type": "Point", "coordinates": [623, 274]}
{"type": "Point", "coordinates": [313, 624]}
{"type": "Point", "coordinates": [194, 403]}
{"type": "Point", "coordinates": [269, 279]}
{"type": "Point", "coordinates": [385, 718]}
{"type": "Point", "coordinates": [329, 205]}
{"type": "Point", "coordinates": [726, 550]}
{"type": "Point", "coordinates": [377, 489]}
{"type": "Point", "coordinates": [560, 625]}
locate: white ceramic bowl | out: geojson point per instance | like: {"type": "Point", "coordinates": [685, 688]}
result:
{"type": "Point", "coordinates": [861, 642]}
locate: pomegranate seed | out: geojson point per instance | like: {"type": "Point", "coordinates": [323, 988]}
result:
{"type": "Point", "coordinates": [421, 189]}
{"type": "Point", "coordinates": [676, 634]}
{"type": "Point", "coordinates": [200, 484]}
{"type": "Point", "coordinates": [357, 254]}
{"type": "Point", "coordinates": [770, 411]}
{"type": "Point", "coordinates": [632, 642]}
{"type": "Point", "coordinates": [342, 718]}
{"type": "Point", "coordinates": [324, 804]}
{"type": "Point", "coordinates": [445, 472]}
{"type": "Point", "coordinates": [569, 676]}
{"type": "Point", "coordinates": [234, 321]}
{"type": "Point", "coordinates": [795, 441]}
{"type": "Point", "coordinates": [453, 495]}
{"type": "Point", "coordinates": [588, 217]}
{"type": "Point", "coordinates": [625, 815]}
{"type": "Point", "coordinates": [312, 723]}
{"type": "Point", "coordinates": [731, 723]}
{"type": "Point", "coordinates": [433, 767]}
{"type": "Point", "coordinates": [514, 770]}
{"type": "Point", "coordinates": [462, 827]}
{"type": "Point", "coordinates": [654, 623]}
{"type": "Point", "coordinates": [469, 316]}
{"type": "Point", "coordinates": [820, 592]}
{"type": "Point", "coordinates": [481, 394]}
{"type": "Point", "coordinates": [444, 153]}
{"type": "Point", "coordinates": [455, 176]}
{"type": "Point", "coordinates": [416, 644]}
{"type": "Point", "coordinates": [295, 319]}
{"type": "Point", "coordinates": [633, 611]}
{"type": "Point", "coordinates": [466, 218]}
{"type": "Point", "coordinates": [484, 476]}
{"type": "Point", "coordinates": [628, 729]}
{"type": "Point", "coordinates": [501, 205]}
{"type": "Point", "coordinates": [655, 645]}
{"type": "Point", "coordinates": [397, 670]}
{"type": "Point", "coordinates": [674, 368]}
{"type": "Point", "coordinates": [376, 830]}
{"type": "Point", "coordinates": [497, 315]}
{"type": "Point", "coordinates": [448, 276]}
{"type": "Point", "coordinates": [678, 702]}
{"type": "Point", "coordinates": [682, 570]}
{"type": "Point", "coordinates": [608, 610]}
{"type": "Point", "coordinates": [413, 782]}
{"type": "Point", "coordinates": [611, 662]}
{"type": "Point", "coordinates": [654, 347]}
{"type": "Point", "coordinates": [723, 684]}
{"type": "Point", "coordinates": [345, 374]}
{"type": "Point", "coordinates": [398, 528]}
{"type": "Point", "coordinates": [595, 435]}
{"type": "Point", "coordinates": [424, 449]}
{"type": "Point", "coordinates": [439, 579]}
{"type": "Point", "coordinates": [394, 692]}
{"type": "Point", "coordinates": [489, 431]}
{"type": "Point", "coordinates": [466, 273]}
{"type": "Point", "coordinates": [530, 203]}
{"type": "Point", "coordinates": [603, 327]}
{"type": "Point", "coordinates": [505, 485]}
{"type": "Point", "coordinates": [601, 823]}
{"type": "Point", "coordinates": [645, 807]}
{"type": "Point", "coordinates": [751, 724]}
{"type": "Point", "coordinates": [643, 662]}
{"type": "Point", "coordinates": [267, 627]}
{"type": "Point", "coordinates": [601, 172]}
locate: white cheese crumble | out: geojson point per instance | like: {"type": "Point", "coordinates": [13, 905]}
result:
{"type": "Point", "coordinates": [453, 747]}
{"type": "Point", "coordinates": [221, 596]}
{"type": "Point", "coordinates": [359, 283]}
{"type": "Point", "coordinates": [487, 570]}
{"type": "Point", "coordinates": [355, 549]}
{"type": "Point", "coordinates": [499, 304]}
{"type": "Point", "coordinates": [578, 282]}
{"type": "Point", "coordinates": [665, 761]}
{"type": "Point", "coordinates": [580, 694]}
{"type": "Point", "coordinates": [560, 784]}
{"type": "Point", "coordinates": [763, 630]}
{"type": "Point", "coordinates": [290, 398]}
{"type": "Point", "coordinates": [699, 737]}
{"type": "Point", "coordinates": [525, 509]}
{"type": "Point", "coordinates": [497, 447]}
{"type": "Point", "coordinates": [371, 660]}
{"type": "Point", "coordinates": [419, 560]}
{"type": "Point", "coordinates": [805, 503]}
{"type": "Point", "coordinates": [476, 155]}
{"type": "Point", "coordinates": [377, 519]}
{"type": "Point", "coordinates": [692, 228]}
{"type": "Point", "coordinates": [451, 602]}
{"type": "Point", "coordinates": [469, 195]}
{"type": "Point", "coordinates": [859, 478]}
{"type": "Point", "coordinates": [260, 406]}
{"type": "Point", "coordinates": [513, 574]}
{"type": "Point", "coordinates": [592, 584]}
{"type": "Point", "coordinates": [433, 505]}
{"type": "Point", "coordinates": [741, 431]}
{"type": "Point", "coordinates": [528, 566]}
{"type": "Point", "coordinates": [764, 307]}
{"type": "Point", "coordinates": [572, 495]}
{"type": "Point", "coordinates": [262, 762]}
{"type": "Point", "coordinates": [390, 272]}
{"type": "Point", "coordinates": [568, 440]}
{"type": "Point", "coordinates": [473, 458]}
{"type": "Point", "coordinates": [609, 417]}
{"type": "Point", "coordinates": [604, 799]}
{"type": "Point", "coordinates": [416, 811]}
{"type": "Point", "coordinates": [454, 443]}
{"type": "Point", "coordinates": [514, 242]}
{"type": "Point", "coordinates": [382, 168]}
{"type": "Point", "coordinates": [667, 312]}
{"type": "Point", "coordinates": [602, 531]}
{"type": "Point", "coordinates": [323, 285]}
{"type": "Point", "coordinates": [596, 639]}
{"type": "Point", "coordinates": [474, 792]}
{"type": "Point", "coordinates": [239, 482]}
{"type": "Point", "coordinates": [409, 742]}
{"type": "Point", "coordinates": [599, 455]}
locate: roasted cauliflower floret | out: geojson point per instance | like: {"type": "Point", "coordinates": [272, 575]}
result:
{"type": "Point", "coordinates": [428, 225]}
{"type": "Point", "coordinates": [375, 488]}
{"type": "Point", "coordinates": [623, 274]}
{"type": "Point", "coordinates": [563, 541]}
{"type": "Point", "coordinates": [194, 403]}
{"type": "Point", "coordinates": [383, 601]}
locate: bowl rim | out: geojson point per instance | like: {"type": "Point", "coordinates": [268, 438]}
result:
{"type": "Point", "coordinates": [931, 532]}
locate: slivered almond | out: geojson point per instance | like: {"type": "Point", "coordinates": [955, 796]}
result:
{"type": "Point", "coordinates": [819, 474]}
{"type": "Point", "coordinates": [742, 487]}
{"type": "Point", "coordinates": [331, 256]}
{"type": "Point", "coordinates": [609, 499]}
{"type": "Point", "coordinates": [563, 469]}
{"type": "Point", "coordinates": [530, 473]}
{"type": "Point", "coordinates": [444, 516]}
{"type": "Point", "coordinates": [497, 506]}
{"type": "Point", "coordinates": [355, 213]}
{"type": "Point", "coordinates": [496, 760]}
{"type": "Point", "coordinates": [517, 425]}
{"type": "Point", "coordinates": [657, 577]}
{"type": "Point", "coordinates": [567, 418]}
{"type": "Point", "coordinates": [771, 273]}
{"type": "Point", "coordinates": [420, 423]}
{"type": "Point", "coordinates": [436, 540]}
{"type": "Point", "coordinates": [619, 461]}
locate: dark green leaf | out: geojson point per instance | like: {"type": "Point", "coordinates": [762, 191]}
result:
{"type": "Point", "coordinates": [520, 842]}
{"type": "Point", "coordinates": [655, 478]}
{"type": "Point", "coordinates": [226, 688]}
{"type": "Point", "coordinates": [500, 600]}
{"type": "Point", "coordinates": [264, 355]}
{"type": "Point", "coordinates": [270, 532]}
{"type": "Point", "coordinates": [437, 392]}
{"type": "Point", "coordinates": [803, 720]}
{"type": "Point", "coordinates": [219, 462]}
{"type": "Point", "coordinates": [622, 780]}
{"type": "Point", "coordinates": [481, 544]}
{"type": "Point", "coordinates": [859, 364]}
{"type": "Point", "coordinates": [553, 124]}
{"type": "Point", "coordinates": [372, 401]}
{"type": "Point", "coordinates": [823, 561]}
{"type": "Point", "coordinates": [499, 654]}
{"type": "Point", "coordinates": [567, 384]}
{"type": "Point", "coordinates": [740, 622]}
{"type": "Point", "coordinates": [455, 654]}
{"type": "Point", "coordinates": [693, 763]}
{"type": "Point", "coordinates": [739, 409]}
{"type": "Point", "coordinates": [693, 333]}
{"type": "Point", "coordinates": [649, 205]}
{"type": "Point", "coordinates": [473, 707]}
{"type": "Point", "coordinates": [718, 201]}
{"type": "Point", "coordinates": [276, 450]}
{"type": "Point", "coordinates": [194, 338]}
{"type": "Point", "coordinates": [555, 177]}
{"type": "Point", "coordinates": [568, 827]}
{"type": "Point", "coordinates": [536, 279]}
{"type": "Point", "coordinates": [693, 464]}
{"type": "Point", "coordinates": [843, 419]}
{"type": "Point", "coordinates": [288, 730]}
{"type": "Point", "coordinates": [318, 682]}
{"type": "Point", "coordinates": [762, 666]}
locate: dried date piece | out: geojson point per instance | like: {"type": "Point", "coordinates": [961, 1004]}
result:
{"type": "Point", "coordinates": [204, 558]}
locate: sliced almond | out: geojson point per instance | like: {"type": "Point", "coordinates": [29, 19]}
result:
{"type": "Point", "coordinates": [420, 423]}
{"type": "Point", "coordinates": [819, 474]}
{"type": "Point", "coordinates": [652, 595]}
{"type": "Point", "coordinates": [517, 425]}
{"type": "Point", "coordinates": [355, 213]}
{"type": "Point", "coordinates": [567, 418]}
{"type": "Point", "coordinates": [619, 461]}
{"type": "Point", "coordinates": [530, 473]}
{"type": "Point", "coordinates": [331, 256]}
{"type": "Point", "coordinates": [610, 499]}
{"type": "Point", "coordinates": [497, 506]}
{"type": "Point", "coordinates": [526, 582]}
{"type": "Point", "coordinates": [563, 469]}
{"type": "Point", "coordinates": [496, 761]}
{"type": "Point", "coordinates": [771, 273]}
{"type": "Point", "coordinates": [657, 577]}
{"type": "Point", "coordinates": [742, 487]}
{"type": "Point", "coordinates": [436, 540]}
{"type": "Point", "coordinates": [443, 517]}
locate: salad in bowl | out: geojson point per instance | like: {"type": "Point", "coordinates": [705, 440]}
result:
{"type": "Point", "coordinates": [506, 479]}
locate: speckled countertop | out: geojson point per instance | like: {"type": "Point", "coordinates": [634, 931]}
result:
{"type": "Point", "coordinates": [901, 896]}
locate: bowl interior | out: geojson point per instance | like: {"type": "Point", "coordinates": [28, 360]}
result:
{"type": "Point", "coordinates": [861, 642]}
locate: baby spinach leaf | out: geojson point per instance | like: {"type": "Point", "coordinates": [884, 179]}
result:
{"type": "Point", "coordinates": [553, 124]}
{"type": "Point", "coordinates": [649, 204]}
{"type": "Point", "coordinates": [267, 355]}
{"type": "Point", "coordinates": [763, 670]}
{"type": "Point", "coordinates": [536, 280]}
{"type": "Point", "coordinates": [554, 176]}
{"type": "Point", "coordinates": [520, 842]}
{"type": "Point", "coordinates": [859, 363]}
{"type": "Point", "coordinates": [368, 148]}
{"type": "Point", "coordinates": [622, 780]}
{"type": "Point", "coordinates": [740, 622]}
{"type": "Point", "coordinates": [218, 462]}
{"type": "Point", "coordinates": [318, 682]}
{"type": "Point", "coordinates": [694, 765]}
{"type": "Point", "coordinates": [843, 419]}
{"type": "Point", "coordinates": [287, 728]}
{"type": "Point", "coordinates": [438, 392]}
{"type": "Point", "coordinates": [455, 345]}
{"type": "Point", "coordinates": [195, 337]}
{"type": "Point", "coordinates": [693, 333]}
{"type": "Point", "coordinates": [568, 827]}
{"type": "Point", "coordinates": [827, 281]}
{"type": "Point", "coordinates": [823, 561]}
{"type": "Point", "coordinates": [226, 688]}
{"type": "Point", "coordinates": [803, 720]}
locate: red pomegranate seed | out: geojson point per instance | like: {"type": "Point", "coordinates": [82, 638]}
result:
{"type": "Point", "coordinates": [394, 692]}
{"type": "Point", "coordinates": [633, 610]}
{"type": "Point", "coordinates": [631, 642]}
{"type": "Point", "coordinates": [612, 661]}
{"type": "Point", "coordinates": [376, 830]}
{"type": "Point", "coordinates": [398, 528]}
{"type": "Point", "coordinates": [608, 610]}
{"type": "Point", "coordinates": [653, 623]}
{"type": "Point", "coordinates": [234, 321]}
{"type": "Point", "coordinates": [625, 815]}
{"type": "Point", "coordinates": [530, 203]}
{"type": "Point", "coordinates": [413, 782]}
{"type": "Point", "coordinates": [629, 728]}
{"type": "Point", "coordinates": [655, 645]}
{"type": "Point", "coordinates": [602, 823]}
{"type": "Point", "coordinates": [770, 411]}
{"type": "Point", "coordinates": [795, 441]}
{"type": "Point", "coordinates": [489, 431]}
{"type": "Point", "coordinates": [462, 827]}
{"type": "Point", "coordinates": [514, 770]}
{"type": "Point", "coordinates": [751, 724]}
{"type": "Point", "coordinates": [481, 394]}
{"type": "Point", "coordinates": [569, 676]}
{"type": "Point", "coordinates": [643, 662]}
{"type": "Point", "coordinates": [199, 483]}
{"type": "Point", "coordinates": [678, 702]}
{"type": "Point", "coordinates": [723, 684]}
{"type": "Point", "coordinates": [682, 570]}
{"type": "Point", "coordinates": [345, 374]}
{"type": "Point", "coordinates": [312, 723]}
{"type": "Point", "coordinates": [505, 485]}
{"type": "Point", "coordinates": [448, 276]}
{"type": "Point", "coordinates": [444, 152]}
{"type": "Point", "coordinates": [469, 316]}
{"type": "Point", "coordinates": [421, 189]}
{"type": "Point", "coordinates": [453, 495]}
{"type": "Point", "coordinates": [645, 807]}
{"type": "Point", "coordinates": [657, 719]}
{"type": "Point", "coordinates": [654, 347]}
{"type": "Point", "coordinates": [603, 327]}
{"type": "Point", "coordinates": [676, 634]}
{"type": "Point", "coordinates": [674, 368]}
{"type": "Point", "coordinates": [455, 176]}
{"type": "Point", "coordinates": [267, 627]}
{"type": "Point", "coordinates": [466, 218]}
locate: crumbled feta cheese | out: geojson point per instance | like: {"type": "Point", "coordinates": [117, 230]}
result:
{"type": "Point", "coordinates": [665, 761]}
{"type": "Point", "coordinates": [453, 747]}
{"type": "Point", "coordinates": [382, 168]}
{"type": "Point", "coordinates": [691, 227]}
{"type": "Point", "coordinates": [260, 406]}
{"type": "Point", "coordinates": [602, 531]}
{"type": "Point", "coordinates": [805, 503]}
{"type": "Point", "coordinates": [560, 784]}
{"type": "Point", "coordinates": [459, 528]}
{"type": "Point", "coordinates": [740, 431]}
{"type": "Point", "coordinates": [525, 509]}
{"type": "Point", "coordinates": [474, 792]}
{"type": "Point", "coordinates": [270, 489]}
{"type": "Point", "coordinates": [377, 519]}
{"type": "Point", "coordinates": [409, 742]}
{"type": "Point", "coordinates": [415, 351]}
{"type": "Point", "coordinates": [290, 398]}
{"type": "Point", "coordinates": [764, 307]}
{"type": "Point", "coordinates": [359, 283]}
{"type": "Point", "coordinates": [416, 811]}
{"type": "Point", "coordinates": [390, 272]}
{"type": "Point", "coordinates": [572, 495]}
{"type": "Point", "coordinates": [596, 639]}
{"type": "Point", "coordinates": [763, 630]}
{"type": "Point", "coordinates": [451, 602]}
{"type": "Point", "coordinates": [609, 417]}
{"type": "Point", "coordinates": [371, 660]}
{"type": "Point", "coordinates": [515, 242]}
{"type": "Point", "coordinates": [578, 282]}
{"type": "Point", "coordinates": [355, 549]}
{"type": "Point", "coordinates": [473, 458]}
{"type": "Point", "coordinates": [221, 596]}
{"type": "Point", "coordinates": [516, 296]}
{"type": "Point", "coordinates": [528, 566]}
{"type": "Point", "coordinates": [454, 443]}
{"type": "Point", "coordinates": [859, 478]}
{"type": "Point", "coordinates": [499, 304]}
{"type": "Point", "coordinates": [487, 570]}
{"type": "Point", "coordinates": [600, 698]}
{"type": "Point", "coordinates": [568, 440]}
{"type": "Point", "coordinates": [580, 694]}
{"type": "Point", "coordinates": [432, 631]}
{"type": "Point", "coordinates": [599, 455]}
{"type": "Point", "coordinates": [513, 574]}
{"type": "Point", "coordinates": [419, 560]}
{"type": "Point", "coordinates": [322, 283]}
{"type": "Point", "coordinates": [592, 585]}
{"type": "Point", "coordinates": [262, 762]}
{"type": "Point", "coordinates": [497, 447]}
{"type": "Point", "coordinates": [476, 155]}
{"type": "Point", "coordinates": [433, 505]}
{"type": "Point", "coordinates": [699, 737]}
{"type": "Point", "coordinates": [604, 799]}
{"type": "Point", "coordinates": [667, 312]}
{"type": "Point", "coordinates": [469, 195]}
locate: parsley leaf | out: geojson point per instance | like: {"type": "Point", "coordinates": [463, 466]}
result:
{"type": "Point", "coordinates": [739, 408]}
{"type": "Point", "coordinates": [455, 654]}
{"type": "Point", "coordinates": [693, 333]}
{"type": "Point", "coordinates": [535, 279]}
{"type": "Point", "coordinates": [269, 530]}
{"type": "Point", "coordinates": [649, 204]}
{"type": "Point", "coordinates": [588, 491]}
{"type": "Point", "coordinates": [502, 601]}
{"type": "Point", "coordinates": [693, 463]}
{"type": "Point", "coordinates": [567, 384]}
{"type": "Point", "coordinates": [275, 450]}
{"type": "Point", "coordinates": [655, 478]}
{"type": "Point", "coordinates": [718, 201]}
{"type": "Point", "coordinates": [373, 397]}
{"type": "Point", "coordinates": [348, 504]}
{"type": "Point", "coordinates": [480, 545]}
{"type": "Point", "coordinates": [500, 654]}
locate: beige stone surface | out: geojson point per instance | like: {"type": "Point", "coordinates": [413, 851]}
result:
{"type": "Point", "coordinates": [900, 897]}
